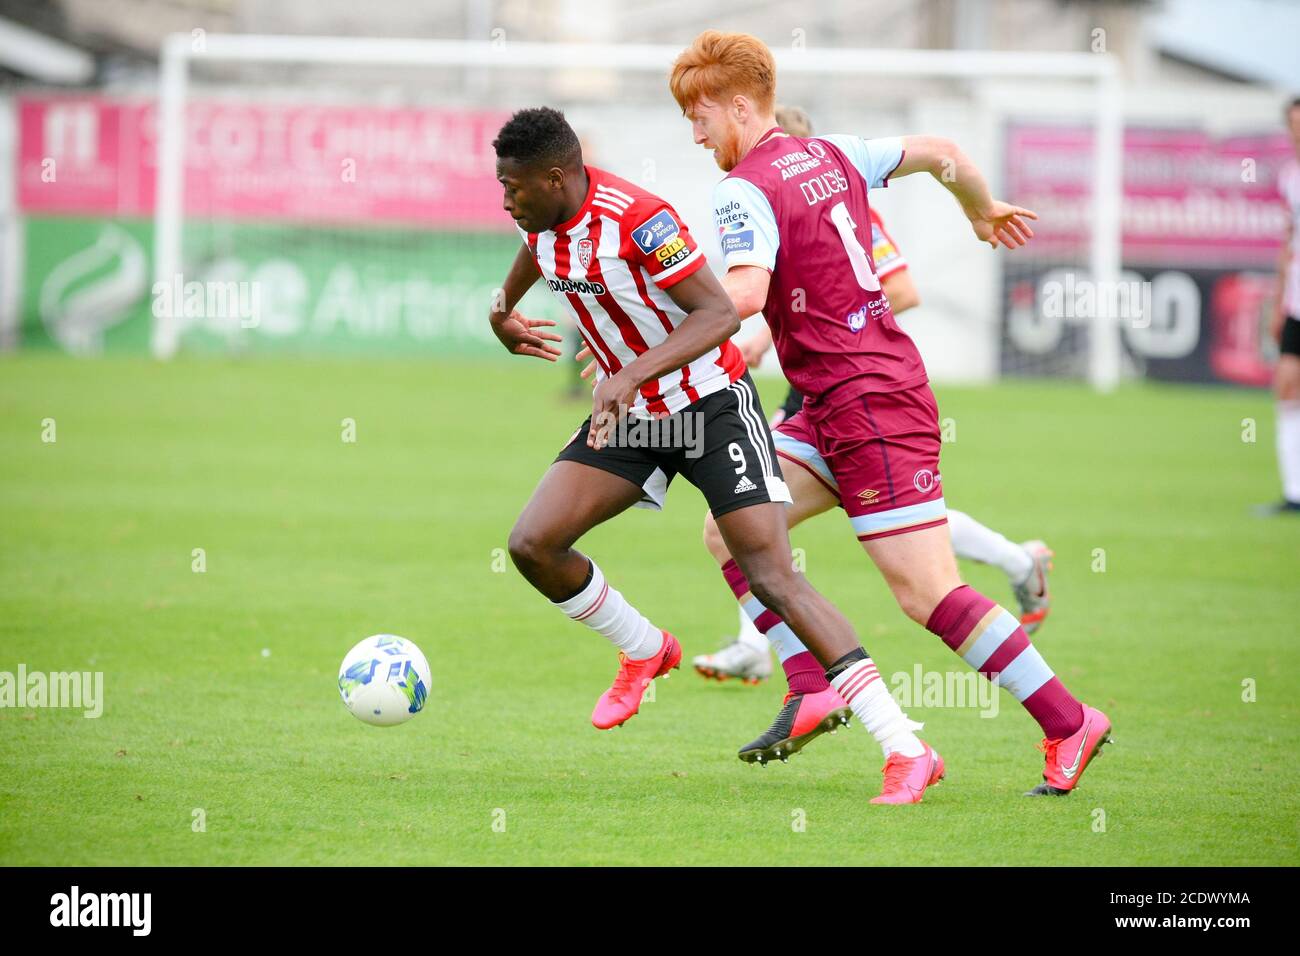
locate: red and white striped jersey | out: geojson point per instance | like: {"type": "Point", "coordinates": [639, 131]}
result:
{"type": "Point", "coordinates": [610, 266]}
{"type": "Point", "coordinates": [884, 253]}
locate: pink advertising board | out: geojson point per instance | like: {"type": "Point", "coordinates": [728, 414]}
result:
{"type": "Point", "coordinates": [1188, 196]}
{"type": "Point", "coordinates": [430, 167]}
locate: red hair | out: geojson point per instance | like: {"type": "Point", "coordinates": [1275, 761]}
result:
{"type": "Point", "coordinates": [719, 65]}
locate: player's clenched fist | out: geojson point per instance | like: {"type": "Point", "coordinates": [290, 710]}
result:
{"type": "Point", "coordinates": [518, 334]}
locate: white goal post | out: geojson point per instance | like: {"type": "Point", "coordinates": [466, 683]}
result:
{"type": "Point", "coordinates": [181, 52]}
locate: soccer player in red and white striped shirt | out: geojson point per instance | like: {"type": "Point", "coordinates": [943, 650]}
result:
{"type": "Point", "coordinates": [659, 323]}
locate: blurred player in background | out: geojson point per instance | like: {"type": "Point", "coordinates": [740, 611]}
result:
{"type": "Point", "coordinates": [659, 324]}
{"type": "Point", "coordinates": [787, 215]}
{"type": "Point", "coordinates": [1286, 330]}
{"type": "Point", "coordinates": [1026, 565]}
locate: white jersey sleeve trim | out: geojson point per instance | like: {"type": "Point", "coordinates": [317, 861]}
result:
{"type": "Point", "coordinates": [875, 159]}
{"type": "Point", "coordinates": [688, 261]}
{"type": "Point", "coordinates": [746, 225]}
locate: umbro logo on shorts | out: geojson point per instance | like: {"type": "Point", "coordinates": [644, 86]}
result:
{"type": "Point", "coordinates": [745, 485]}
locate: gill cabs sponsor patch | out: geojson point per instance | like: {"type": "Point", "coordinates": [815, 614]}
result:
{"type": "Point", "coordinates": [672, 252]}
{"type": "Point", "coordinates": [655, 231]}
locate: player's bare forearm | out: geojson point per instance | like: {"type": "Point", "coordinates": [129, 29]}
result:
{"type": "Point", "coordinates": [1284, 261]}
{"type": "Point", "coordinates": [1283, 264]}
{"type": "Point", "coordinates": [1279, 297]}
{"type": "Point", "coordinates": [747, 287]}
{"type": "Point", "coordinates": [901, 292]}
{"type": "Point", "coordinates": [994, 221]}
{"type": "Point", "coordinates": [521, 277]}
{"type": "Point", "coordinates": [710, 320]}
{"type": "Point", "coordinates": [519, 334]}
{"type": "Point", "coordinates": [945, 161]}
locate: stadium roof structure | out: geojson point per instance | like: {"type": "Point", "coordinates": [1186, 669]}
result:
{"type": "Point", "coordinates": [29, 53]}
{"type": "Point", "coordinates": [1252, 40]}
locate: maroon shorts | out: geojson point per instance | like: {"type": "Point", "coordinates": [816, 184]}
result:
{"type": "Point", "coordinates": [877, 452]}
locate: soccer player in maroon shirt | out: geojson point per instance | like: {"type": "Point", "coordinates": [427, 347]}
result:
{"type": "Point", "coordinates": [626, 268]}
{"type": "Point", "coordinates": [813, 488]}
{"type": "Point", "coordinates": [788, 215]}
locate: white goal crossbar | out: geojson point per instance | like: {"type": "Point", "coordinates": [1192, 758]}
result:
{"type": "Point", "coordinates": [1100, 69]}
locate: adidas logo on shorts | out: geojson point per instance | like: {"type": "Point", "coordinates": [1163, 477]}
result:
{"type": "Point", "coordinates": [745, 485]}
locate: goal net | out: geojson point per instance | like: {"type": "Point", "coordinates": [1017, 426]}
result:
{"type": "Point", "coordinates": [338, 194]}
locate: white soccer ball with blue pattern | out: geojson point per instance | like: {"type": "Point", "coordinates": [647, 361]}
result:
{"type": "Point", "coordinates": [384, 680]}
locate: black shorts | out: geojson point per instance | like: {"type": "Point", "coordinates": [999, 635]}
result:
{"type": "Point", "coordinates": [1291, 336]}
{"type": "Point", "coordinates": [721, 444]}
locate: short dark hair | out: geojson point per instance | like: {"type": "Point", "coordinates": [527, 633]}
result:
{"type": "Point", "coordinates": [539, 136]}
{"type": "Point", "coordinates": [1293, 105]}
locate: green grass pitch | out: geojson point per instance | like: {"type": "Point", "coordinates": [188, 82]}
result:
{"type": "Point", "coordinates": [220, 686]}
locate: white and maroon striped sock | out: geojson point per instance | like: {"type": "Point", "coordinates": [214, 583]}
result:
{"type": "Point", "coordinates": [606, 611]}
{"type": "Point", "coordinates": [866, 694]}
{"type": "Point", "coordinates": [992, 641]}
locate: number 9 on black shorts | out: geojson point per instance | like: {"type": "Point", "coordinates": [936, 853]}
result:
{"type": "Point", "coordinates": [720, 443]}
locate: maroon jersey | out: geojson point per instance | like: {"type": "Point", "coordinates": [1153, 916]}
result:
{"type": "Point", "coordinates": [798, 208]}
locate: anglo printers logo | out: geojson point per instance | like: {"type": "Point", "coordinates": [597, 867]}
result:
{"type": "Point", "coordinates": [732, 214]}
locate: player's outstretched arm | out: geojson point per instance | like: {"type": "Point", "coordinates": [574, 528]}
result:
{"type": "Point", "coordinates": [710, 320]}
{"type": "Point", "coordinates": [994, 221]}
{"type": "Point", "coordinates": [513, 330]}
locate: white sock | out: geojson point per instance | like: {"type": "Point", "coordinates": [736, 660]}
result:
{"type": "Point", "coordinates": [1288, 448]}
{"type": "Point", "coordinates": [972, 540]}
{"type": "Point", "coordinates": [871, 702]}
{"type": "Point", "coordinates": [749, 635]}
{"type": "Point", "coordinates": [607, 612]}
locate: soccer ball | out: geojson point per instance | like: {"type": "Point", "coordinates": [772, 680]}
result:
{"type": "Point", "coordinates": [384, 680]}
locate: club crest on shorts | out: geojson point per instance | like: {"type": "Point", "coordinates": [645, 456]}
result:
{"type": "Point", "coordinates": [584, 252]}
{"type": "Point", "coordinates": [924, 481]}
